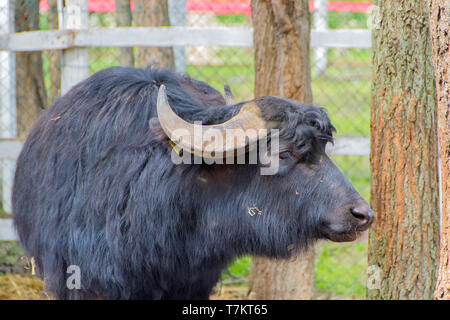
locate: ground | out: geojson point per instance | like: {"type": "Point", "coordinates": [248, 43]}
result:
{"type": "Point", "coordinates": [28, 287]}
{"type": "Point", "coordinates": [340, 272]}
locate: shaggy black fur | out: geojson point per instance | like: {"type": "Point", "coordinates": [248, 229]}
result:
{"type": "Point", "coordinates": [95, 187]}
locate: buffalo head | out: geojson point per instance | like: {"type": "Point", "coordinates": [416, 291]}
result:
{"type": "Point", "coordinates": [306, 192]}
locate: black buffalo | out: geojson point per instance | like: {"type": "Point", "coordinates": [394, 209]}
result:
{"type": "Point", "coordinates": [95, 187]}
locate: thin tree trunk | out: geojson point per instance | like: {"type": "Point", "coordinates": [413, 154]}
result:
{"type": "Point", "coordinates": [440, 33]}
{"type": "Point", "coordinates": [404, 241]}
{"type": "Point", "coordinates": [153, 13]}
{"type": "Point", "coordinates": [30, 90]}
{"type": "Point", "coordinates": [54, 56]}
{"type": "Point", "coordinates": [282, 68]}
{"type": "Point", "coordinates": [124, 19]}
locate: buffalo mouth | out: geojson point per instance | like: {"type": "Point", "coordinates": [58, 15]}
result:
{"type": "Point", "coordinates": [348, 236]}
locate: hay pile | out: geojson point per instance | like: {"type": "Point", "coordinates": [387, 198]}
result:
{"type": "Point", "coordinates": [28, 287]}
{"type": "Point", "coordinates": [21, 287]}
{"type": "Point", "coordinates": [229, 292]}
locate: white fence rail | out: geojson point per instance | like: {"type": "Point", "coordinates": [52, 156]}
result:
{"type": "Point", "coordinates": [7, 232]}
{"type": "Point", "coordinates": [166, 36]}
{"type": "Point", "coordinates": [343, 145]}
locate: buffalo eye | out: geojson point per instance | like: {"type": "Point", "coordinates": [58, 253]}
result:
{"type": "Point", "coordinates": [285, 155]}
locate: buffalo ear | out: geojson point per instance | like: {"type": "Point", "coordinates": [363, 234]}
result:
{"type": "Point", "coordinates": [229, 97]}
{"type": "Point", "coordinates": [158, 131]}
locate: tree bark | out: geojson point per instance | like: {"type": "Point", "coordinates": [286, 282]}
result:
{"type": "Point", "coordinates": [440, 33]}
{"type": "Point", "coordinates": [54, 56]}
{"type": "Point", "coordinates": [403, 243]}
{"type": "Point", "coordinates": [153, 13]}
{"type": "Point", "coordinates": [31, 97]}
{"type": "Point", "coordinates": [124, 19]}
{"type": "Point", "coordinates": [282, 68]}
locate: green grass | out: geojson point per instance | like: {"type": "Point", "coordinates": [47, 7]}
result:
{"type": "Point", "coordinates": [347, 20]}
{"type": "Point", "coordinates": [238, 20]}
{"type": "Point", "coordinates": [340, 269]}
{"type": "Point", "coordinates": [237, 272]}
{"type": "Point", "coordinates": [240, 78]}
{"type": "Point", "coordinates": [356, 169]}
{"type": "Point", "coordinates": [10, 255]}
{"type": "Point", "coordinates": [336, 20]}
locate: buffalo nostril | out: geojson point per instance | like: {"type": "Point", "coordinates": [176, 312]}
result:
{"type": "Point", "coordinates": [363, 213]}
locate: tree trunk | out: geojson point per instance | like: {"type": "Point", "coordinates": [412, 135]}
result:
{"type": "Point", "coordinates": [31, 98]}
{"type": "Point", "coordinates": [282, 68]}
{"type": "Point", "coordinates": [153, 13]}
{"type": "Point", "coordinates": [54, 56]}
{"type": "Point", "coordinates": [440, 33]}
{"type": "Point", "coordinates": [124, 19]}
{"type": "Point", "coordinates": [403, 243]}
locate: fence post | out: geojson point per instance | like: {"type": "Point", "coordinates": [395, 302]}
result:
{"type": "Point", "coordinates": [320, 24]}
{"type": "Point", "coordinates": [75, 62]}
{"type": "Point", "coordinates": [8, 123]}
{"type": "Point", "coordinates": [177, 16]}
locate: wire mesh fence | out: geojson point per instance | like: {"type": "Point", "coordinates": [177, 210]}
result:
{"type": "Point", "coordinates": [31, 81]}
{"type": "Point", "coordinates": [340, 76]}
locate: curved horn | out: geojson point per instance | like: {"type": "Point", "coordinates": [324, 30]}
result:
{"type": "Point", "coordinates": [229, 97]}
{"type": "Point", "coordinates": [212, 141]}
